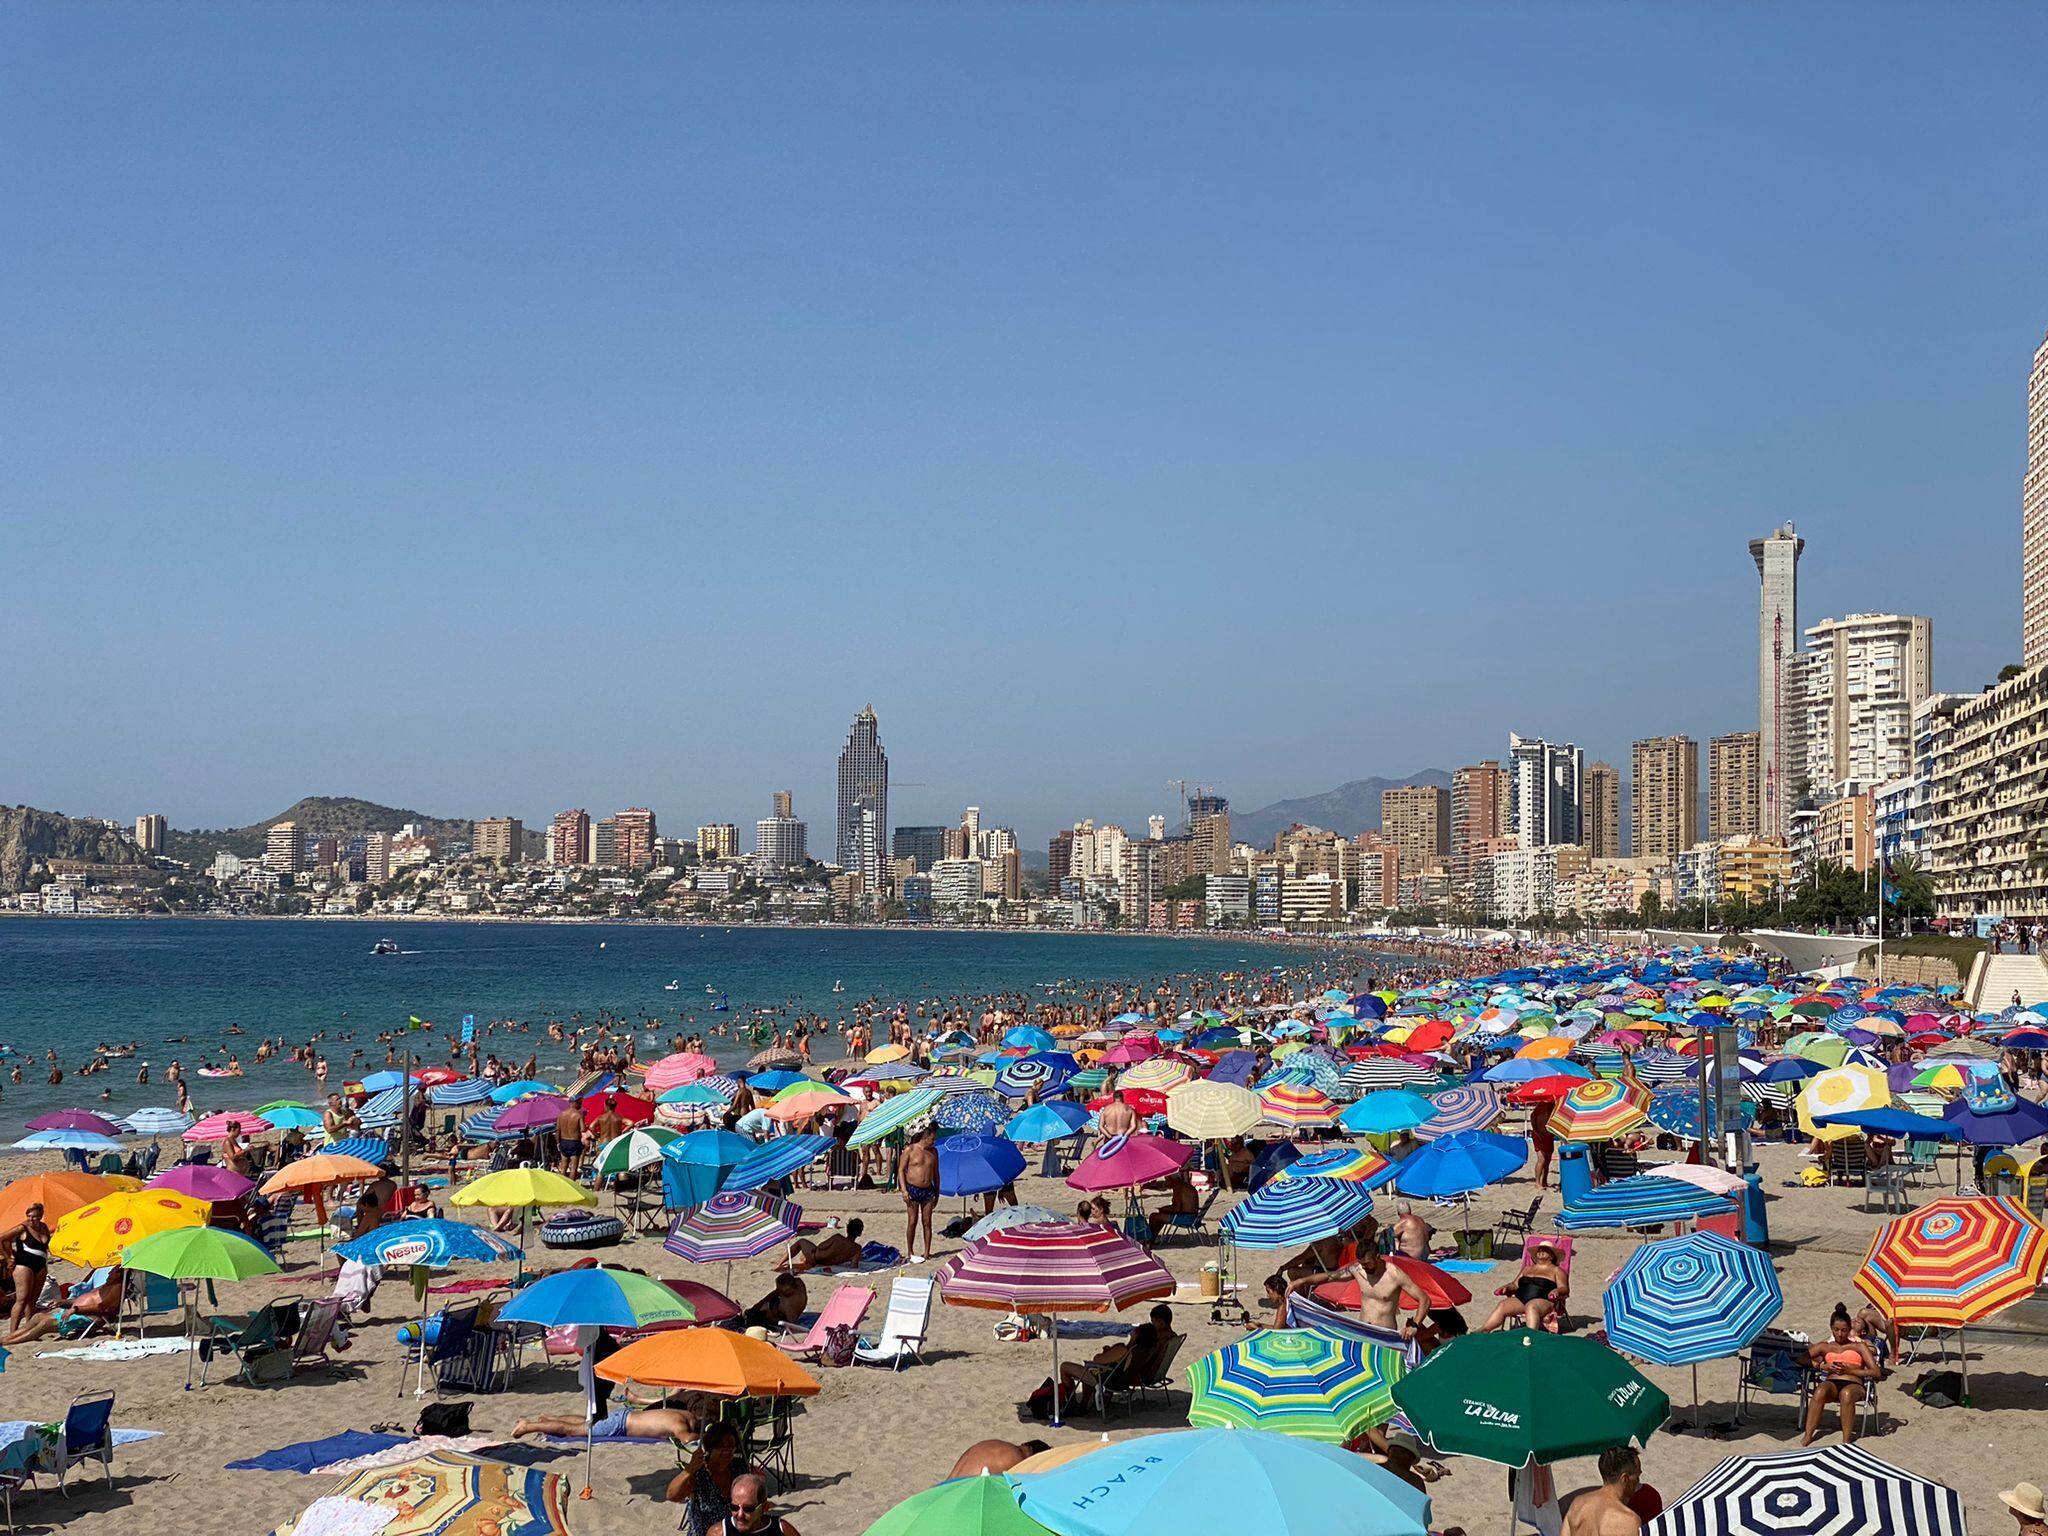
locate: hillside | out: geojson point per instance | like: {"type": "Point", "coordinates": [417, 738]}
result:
{"type": "Point", "coordinates": [338, 814]}
{"type": "Point", "coordinates": [28, 836]}
{"type": "Point", "coordinates": [1348, 810]}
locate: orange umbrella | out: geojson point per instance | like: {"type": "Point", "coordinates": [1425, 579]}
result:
{"type": "Point", "coordinates": [709, 1360]}
{"type": "Point", "coordinates": [59, 1194]}
{"type": "Point", "coordinates": [319, 1171]}
{"type": "Point", "coordinates": [1548, 1048]}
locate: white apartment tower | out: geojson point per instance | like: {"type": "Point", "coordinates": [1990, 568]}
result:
{"type": "Point", "coordinates": [2034, 520]}
{"type": "Point", "coordinates": [1545, 791]}
{"type": "Point", "coordinates": [1865, 676]}
{"type": "Point", "coordinates": [1778, 703]}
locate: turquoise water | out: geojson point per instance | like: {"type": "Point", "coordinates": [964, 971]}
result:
{"type": "Point", "coordinates": [69, 983]}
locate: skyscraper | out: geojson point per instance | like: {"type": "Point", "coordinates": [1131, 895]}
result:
{"type": "Point", "coordinates": [863, 801]}
{"type": "Point", "coordinates": [569, 839]}
{"type": "Point", "coordinates": [923, 846]}
{"type": "Point", "coordinates": [1732, 785]}
{"type": "Point", "coordinates": [1479, 806]}
{"type": "Point", "coordinates": [1603, 811]}
{"type": "Point", "coordinates": [633, 838]}
{"type": "Point", "coordinates": [1664, 815]}
{"type": "Point", "coordinates": [1544, 791]}
{"type": "Point", "coordinates": [1778, 703]}
{"type": "Point", "coordinates": [2034, 520]}
{"type": "Point", "coordinates": [1865, 676]}
{"type": "Point", "coordinates": [502, 838]}
{"type": "Point", "coordinates": [1416, 818]}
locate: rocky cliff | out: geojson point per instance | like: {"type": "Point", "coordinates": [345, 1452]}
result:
{"type": "Point", "coordinates": [29, 836]}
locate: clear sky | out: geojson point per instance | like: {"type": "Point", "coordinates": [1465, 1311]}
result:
{"type": "Point", "coordinates": [496, 408]}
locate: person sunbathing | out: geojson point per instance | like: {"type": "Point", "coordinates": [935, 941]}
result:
{"type": "Point", "coordinates": [1182, 1200]}
{"type": "Point", "coordinates": [681, 1425]}
{"type": "Point", "coordinates": [1848, 1366]}
{"type": "Point", "coordinates": [1538, 1290]}
{"type": "Point", "coordinates": [1327, 1258]}
{"type": "Point", "coordinates": [1412, 1233]}
{"type": "Point", "coordinates": [841, 1248]}
{"type": "Point", "coordinates": [1139, 1353]}
{"type": "Point", "coordinates": [68, 1321]}
{"type": "Point", "coordinates": [781, 1306]}
{"type": "Point", "coordinates": [992, 1456]}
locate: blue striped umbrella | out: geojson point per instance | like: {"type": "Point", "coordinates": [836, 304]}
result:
{"type": "Point", "coordinates": [383, 1108]}
{"type": "Point", "coordinates": [464, 1090]}
{"type": "Point", "coordinates": [1285, 1213]}
{"type": "Point", "coordinates": [893, 1115]}
{"type": "Point", "coordinates": [1842, 1490]}
{"type": "Point", "coordinates": [1317, 1072]}
{"type": "Point", "coordinates": [483, 1126]}
{"type": "Point", "coordinates": [1654, 1067]}
{"type": "Point", "coordinates": [371, 1149]}
{"type": "Point", "coordinates": [776, 1159]}
{"type": "Point", "coordinates": [1677, 1110]}
{"type": "Point", "coordinates": [1644, 1200]}
{"type": "Point", "coordinates": [158, 1121]}
{"type": "Point", "coordinates": [982, 1114]}
{"type": "Point", "coordinates": [1473, 1107]}
{"type": "Point", "coordinates": [1688, 1299]}
{"type": "Point", "coordinates": [945, 1084]}
{"type": "Point", "coordinates": [1047, 1071]}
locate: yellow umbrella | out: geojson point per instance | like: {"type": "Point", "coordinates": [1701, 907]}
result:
{"type": "Point", "coordinates": [882, 1055]}
{"type": "Point", "coordinates": [95, 1234]}
{"type": "Point", "coordinates": [514, 1188]}
{"type": "Point", "coordinates": [1840, 1091]}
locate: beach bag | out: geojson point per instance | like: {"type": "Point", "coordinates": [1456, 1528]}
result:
{"type": "Point", "coordinates": [840, 1340]}
{"type": "Point", "coordinates": [1939, 1389]}
{"type": "Point", "coordinates": [443, 1419]}
{"type": "Point", "coordinates": [879, 1256]}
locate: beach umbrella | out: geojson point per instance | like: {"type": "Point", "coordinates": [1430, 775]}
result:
{"type": "Point", "coordinates": [1355, 1165]}
{"type": "Point", "coordinates": [1163, 1073]}
{"type": "Point", "coordinates": [629, 1107]}
{"type": "Point", "coordinates": [1837, 1091]}
{"type": "Point", "coordinates": [1053, 1268]}
{"type": "Point", "coordinates": [715, 1361]}
{"type": "Point", "coordinates": [977, 1165]}
{"type": "Point", "coordinates": [480, 1126]}
{"type": "Point", "coordinates": [1209, 1110]}
{"type": "Point", "coordinates": [1055, 1120]}
{"type": "Point", "coordinates": [1030, 1037]}
{"type": "Point", "coordinates": [982, 1113]}
{"type": "Point", "coordinates": [1524, 1396]}
{"type": "Point", "coordinates": [1705, 1176]}
{"type": "Point", "coordinates": [1295, 1107]}
{"type": "Point", "coordinates": [773, 1058]}
{"type": "Point", "coordinates": [428, 1242]}
{"type": "Point", "coordinates": [380, 1109]}
{"type": "Point", "coordinates": [1954, 1262]}
{"type": "Point", "coordinates": [1442, 1289]}
{"type": "Point", "coordinates": [1125, 1162]}
{"type": "Point", "coordinates": [1376, 1072]}
{"type": "Point", "coordinates": [1831, 1490]}
{"type": "Point", "coordinates": [199, 1253]}
{"type": "Point", "coordinates": [96, 1234]}
{"type": "Point", "coordinates": [678, 1069]}
{"type": "Point", "coordinates": [770, 1083]}
{"type": "Point", "coordinates": [73, 1120]}
{"type": "Point", "coordinates": [792, 1106]}
{"type": "Point", "coordinates": [1473, 1107]}
{"type": "Point", "coordinates": [1600, 1110]}
{"type": "Point", "coordinates": [773, 1160]}
{"type": "Point", "coordinates": [2020, 1122]}
{"type": "Point", "coordinates": [158, 1120]}
{"type": "Point", "coordinates": [1515, 1071]}
{"type": "Point", "coordinates": [731, 1226]}
{"type": "Point", "coordinates": [59, 1194]}
{"type": "Point", "coordinates": [215, 1127]}
{"type": "Point", "coordinates": [1047, 1071]}
{"type": "Point", "coordinates": [1460, 1163]}
{"type": "Point", "coordinates": [319, 1170]}
{"type": "Point", "coordinates": [453, 1094]}
{"type": "Point", "coordinates": [1289, 1212]}
{"type": "Point", "coordinates": [292, 1117]}
{"type": "Point", "coordinates": [1688, 1299]}
{"type": "Point", "coordinates": [1389, 1112]}
{"type": "Point", "coordinates": [1896, 1123]}
{"type": "Point", "coordinates": [635, 1149]}
{"type": "Point", "coordinates": [202, 1181]}
{"type": "Point", "coordinates": [961, 1506]}
{"type": "Point", "coordinates": [1296, 1381]}
{"type": "Point", "coordinates": [523, 1190]}
{"type": "Point", "coordinates": [507, 1093]}
{"type": "Point", "coordinates": [535, 1112]}
{"type": "Point", "coordinates": [694, 1093]}
{"type": "Point", "coordinates": [1010, 1216]}
{"type": "Point", "coordinates": [1677, 1111]}
{"type": "Point", "coordinates": [67, 1141]}
{"type": "Point", "coordinates": [374, 1150]}
{"type": "Point", "coordinates": [1222, 1482]}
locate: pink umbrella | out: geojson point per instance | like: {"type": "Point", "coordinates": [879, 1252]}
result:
{"type": "Point", "coordinates": [74, 1120]}
{"type": "Point", "coordinates": [1124, 1162]}
{"type": "Point", "coordinates": [203, 1181]}
{"type": "Point", "coordinates": [535, 1112]}
{"type": "Point", "coordinates": [1127, 1052]}
{"type": "Point", "coordinates": [683, 1067]}
{"type": "Point", "coordinates": [1624, 1039]}
{"type": "Point", "coordinates": [215, 1127]}
{"type": "Point", "coordinates": [1714, 1180]}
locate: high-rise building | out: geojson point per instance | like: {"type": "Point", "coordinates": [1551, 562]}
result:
{"type": "Point", "coordinates": [2034, 520]}
{"type": "Point", "coordinates": [863, 800]}
{"type": "Point", "coordinates": [634, 833]}
{"type": "Point", "coordinates": [569, 839]}
{"type": "Point", "coordinates": [779, 839]}
{"type": "Point", "coordinates": [1732, 785]}
{"type": "Point", "coordinates": [1602, 820]}
{"type": "Point", "coordinates": [1206, 803]}
{"type": "Point", "coordinates": [923, 846]}
{"type": "Point", "coordinates": [499, 837]}
{"type": "Point", "coordinates": [1479, 808]}
{"type": "Point", "coordinates": [1664, 811]}
{"type": "Point", "coordinates": [604, 842]}
{"type": "Point", "coordinates": [377, 857]}
{"type": "Point", "coordinates": [1416, 819]}
{"type": "Point", "coordinates": [150, 832]}
{"type": "Point", "coordinates": [1209, 831]}
{"type": "Point", "coordinates": [719, 840]}
{"type": "Point", "coordinates": [1059, 859]}
{"type": "Point", "coordinates": [283, 850]}
{"type": "Point", "coordinates": [1544, 791]}
{"type": "Point", "coordinates": [1865, 676]}
{"type": "Point", "coordinates": [1778, 702]}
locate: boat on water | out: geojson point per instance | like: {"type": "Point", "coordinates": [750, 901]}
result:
{"type": "Point", "coordinates": [384, 947]}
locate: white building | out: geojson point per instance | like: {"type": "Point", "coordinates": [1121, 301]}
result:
{"type": "Point", "coordinates": [1229, 898]}
{"type": "Point", "coordinates": [957, 882]}
{"type": "Point", "coordinates": [1778, 710]}
{"type": "Point", "coordinates": [1311, 900]}
{"type": "Point", "coordinates": [1868, 673]}
{"type": "Point", "coordinates": [1522, 881]}
{"type": "Point", "coordinates": [1545, 791]}
{"type": "Point", "coordinates": [779, 840]}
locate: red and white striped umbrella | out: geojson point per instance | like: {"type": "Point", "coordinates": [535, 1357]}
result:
{"type": "Point", "coordinates": [215, 1127]}
{"type": "Point", "coordinates": [1053, 1266]}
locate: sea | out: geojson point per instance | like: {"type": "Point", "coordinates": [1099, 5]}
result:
{"type": "Point", "coordinates": [172, 987]}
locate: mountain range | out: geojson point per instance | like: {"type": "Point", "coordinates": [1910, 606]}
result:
{"type": "Point", "coordinates": [1347, 810]}
{"type": "Point", "coordinates": [322, 814]}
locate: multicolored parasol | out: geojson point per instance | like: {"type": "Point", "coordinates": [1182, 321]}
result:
{"type": "Point", "coordinates": [1296, 1381]}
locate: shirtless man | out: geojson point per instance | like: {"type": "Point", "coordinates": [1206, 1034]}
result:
{"type": "Point", "coordinates": [1412, 1234]}
{"type": "Point", "coordinates": [609, 1122]}
{"type": "Point", "coordinates": [1604, 1511]}
{"type": "Point", "coordinates": [1117, 1119]}
{"type": "Point", "coordinates": [827, 1252]}
{"type": "Point", "coordinates": [569, 1140]}
{"type": "Point", "coordinates": [1380, 1288]}
{"type": "Point", "coordinates": [919, 1173]}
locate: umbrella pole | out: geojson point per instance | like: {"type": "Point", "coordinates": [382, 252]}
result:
{"type": "Point", "coordinates": [1695, 1395]}
{"type": "Point", "coordinates": [419, 1387]}
{"type": "Point", "coordinates": [1055, 1369]}
{"type": "Point", "coordinates": [1963, 1350]}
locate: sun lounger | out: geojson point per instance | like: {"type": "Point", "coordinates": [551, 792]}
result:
{"type": "Point", "coordinates": [848, 1308]}
{"type": "Point", "coordinates": [904, 1327]}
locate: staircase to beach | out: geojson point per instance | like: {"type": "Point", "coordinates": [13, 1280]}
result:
{"type": "Point", "coordinates": [1995, 978]}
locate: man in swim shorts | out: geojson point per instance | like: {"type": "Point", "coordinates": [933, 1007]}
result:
{"type": "Point", "coordinates": [920, 1175]}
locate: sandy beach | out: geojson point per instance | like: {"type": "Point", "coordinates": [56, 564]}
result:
{"type": "Point", "coordinates": [872, 1437]}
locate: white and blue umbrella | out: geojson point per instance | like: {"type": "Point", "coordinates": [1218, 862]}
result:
{"type": "Point", "coordinates": [1469, 1107]}
{"type": "Point", "coordinates": [776, 1159]}
{"type": "Point", "coordinates": [483, 1126]}
{"type": "Point", "coordinates": [1047, 1071]}
{"type": "Point", "coordinates": [1838, 1490]}
{"type": "Point", "coordinates": [383, 1109]}
{"type": "Point", "coordinates": [1693, 1298]}
{"type": "Point", "coordinates": [158, 1121]}
{"type": "Point", "coordinates": [1642, 1200]}
{"type": "Point", "coordinates": [371, 1149]}
{"type": "Point", "coordinates": [464, 1090]}
{"type": "Point", "coordinates": [1285, 1213]}
{"type": "Point", "coordinates": [67, 1141]}
{"type": "Point", "coordinates": [1677, 1110]}
{"type": "Point", "coordinates": [982, 1114]}
{"type": "Point", "coordinates": [1011, 1216]}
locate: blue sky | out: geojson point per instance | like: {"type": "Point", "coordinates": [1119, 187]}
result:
{"type": "Point", "coordinates": [496, 408]}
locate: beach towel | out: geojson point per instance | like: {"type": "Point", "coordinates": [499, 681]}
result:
{"type": "Point", "coordinates": [1536, 1501]}
{"type": "Point", "coordinates": [343, 1517]}
{"type": "Point", "coordinates": [305, 1455]}
{"type": "Point", "coordinates": [118, 1349]}
{"type": "Point", "coordinates": [12, 1430]}
{"type": "Point", "coordinates": [404, 1450]}
{"type": "Point", "coordinates": [1463, 1266]}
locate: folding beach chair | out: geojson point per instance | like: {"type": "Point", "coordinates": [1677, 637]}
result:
{"type": "Point", "coordinates": [247, 1341]}
{"type": "Point", "coordinates": [1559, 1318]}
{"type": "Point", "coordinates": [904, 1327]}
{"type": "Point", "coordinates": [87, 1434]}
{"type": "Point", "coordinates": [315, 1333]}
{"type": "Point", "coordinates": [147, 1296]}
{"type": "Point", "coordinates": [18, 1469]}
{"type": "Point", "coordinates": [848, 1308]}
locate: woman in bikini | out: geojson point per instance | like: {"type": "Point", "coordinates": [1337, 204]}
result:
{"type": "Point", "coordinates": [1847, 1365]}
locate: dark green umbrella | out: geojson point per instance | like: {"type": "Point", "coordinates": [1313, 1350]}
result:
{"type": "Point", "coordinates": [1525, 1396]}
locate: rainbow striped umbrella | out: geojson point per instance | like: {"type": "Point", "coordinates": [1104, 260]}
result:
{"type": "Point", "coordinates": [1688, 1299]}
{"type": "Point", "coordinates": [1292, 1104]}
{"type": "Point", "coordinates": [1472, 1107]}
{"type": "Point", "coordinates": [1296, 1381]}
{"type": "Point", "coordinates": [1954, 1262]}
{"type": "Point", "coordinates": [1354, 1165]}
{"type": "Point", "coordinates": [732, 1226]}
{"type": "Point", "coordinates": [1600, 1110]}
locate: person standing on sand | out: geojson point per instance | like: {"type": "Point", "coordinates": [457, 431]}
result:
{"type": "Point", "coordinates": [919, 1174]}
{"type": "Point", "coordinates": [1605, 1511]}
{"type": "Point", "coordinates": [569, 1140]}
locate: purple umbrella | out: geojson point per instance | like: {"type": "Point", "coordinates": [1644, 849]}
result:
{"type": "Point", "coordinates": [536, 1112]}
{"type": "Point", "coordinates": [203, 1181]}
{"type": "Point", "coordinates": [74, 1120]}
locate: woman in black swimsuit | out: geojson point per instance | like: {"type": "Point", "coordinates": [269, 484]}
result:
{"type": "Point", "coordinates": [1538, 1291]}
{"type": "Point", "coordinates": [31, 1264]}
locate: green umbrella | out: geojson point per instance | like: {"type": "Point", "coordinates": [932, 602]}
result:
{"type": "Point", "coordinates": [1525, 1396]}
{"type": "Point", "coordinates": [966, 1506]}
{"type": "Point", "coordinates": [199, 1253]}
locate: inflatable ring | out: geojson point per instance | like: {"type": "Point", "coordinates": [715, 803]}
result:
{"type": "Point", "coordinates": [580, 1229]}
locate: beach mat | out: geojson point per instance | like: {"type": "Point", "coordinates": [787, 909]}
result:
{"type": "Point", "coordinates": [305, 1455]}
{"type": "Point", "coordinates": [1463, 1266]}
{"type": "Point", "coordinates": [118, 1349]}
{"type": "Point", "coordinates": [12, 1430]}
